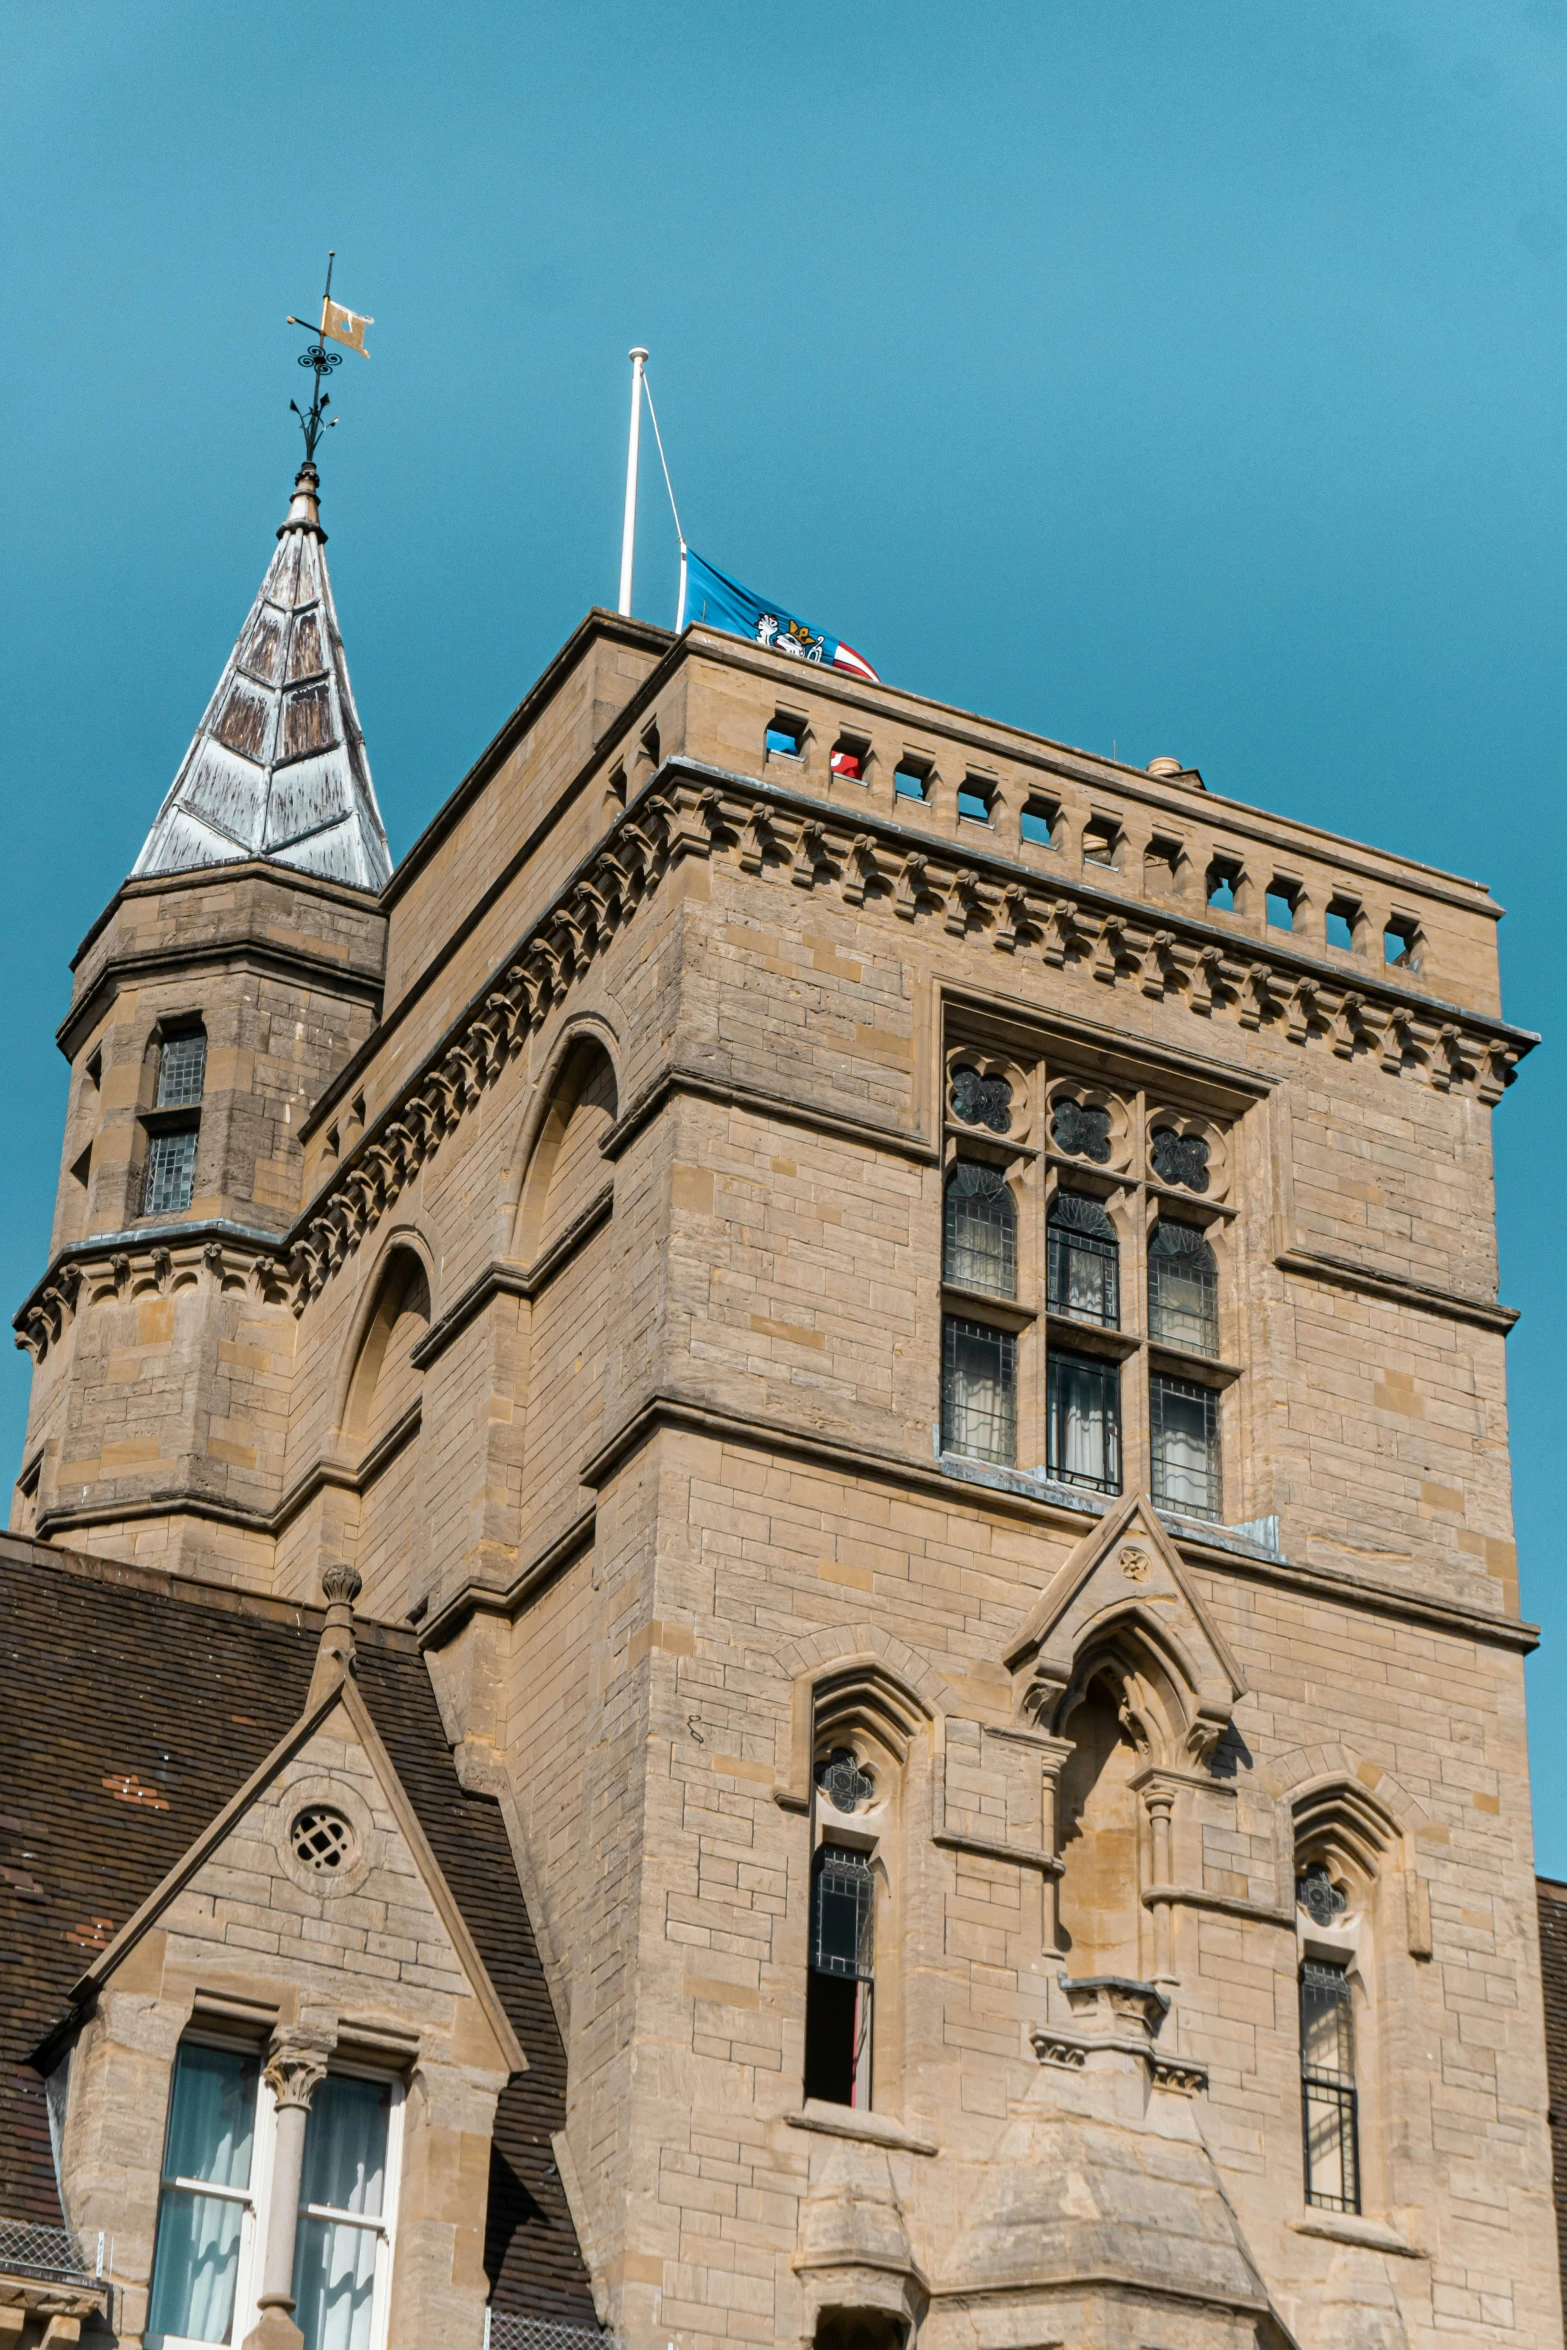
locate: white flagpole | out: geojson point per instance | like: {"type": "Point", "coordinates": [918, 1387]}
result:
{"type": "Point", "coordinates": [628, 536]}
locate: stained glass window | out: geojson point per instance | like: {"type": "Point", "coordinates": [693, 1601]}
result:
{"type": "Point", "coordinates": [171, 1172]}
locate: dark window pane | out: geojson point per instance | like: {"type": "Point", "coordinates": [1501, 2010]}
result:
{"type": "Point", "coordinates": [1183, 1288]}
{"type": "Point", "coordinates": [171, 1172]}
{"type": "Point", "coordinates": [182, 1071]}
{"type": "Point", "coordinates": [1180, 1158]}
{"type": "Point", "coordinates": [1082, 1130]}
{"type": "Point", "coordinates": [981, 1101]}
{"type": "Point", "coordinates": [1327, 2071]}
{"type": "Point", "coordinates": [1083, 1435]}
{"type": "Point", "coordinates": [979, 1392]}
{"type": "Point", "coordinates": [1082, 1261]}
{"type": "Point", "coordinates": [843, 1914]}
{"type": "Point", "coordinates": [980, 1240]}
{"type": "Point", "coordinates": [1184, 1421]}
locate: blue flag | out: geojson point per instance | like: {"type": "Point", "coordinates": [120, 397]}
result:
{"type": "Point", "coordinates": [721, 602]}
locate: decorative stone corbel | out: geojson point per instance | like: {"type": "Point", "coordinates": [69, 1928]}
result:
{"type": "Point", "coordinates": [860, 872]}
{"type": "Point", "coordinates": [812, 857]}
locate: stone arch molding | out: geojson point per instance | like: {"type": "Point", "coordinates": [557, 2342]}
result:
{"type": "Point", "coordinates": [1123, 1607]}
{"type": "Point", "coordinates": [404, 1255]}
{"type": "Point", "coordinates": [1342, 1807]}
{"type": "Point", "coordinates": [854, 1677]}
{"type": "Point", "coordinates": [585, 1046]}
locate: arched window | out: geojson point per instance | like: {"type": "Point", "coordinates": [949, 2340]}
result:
{"type": "Point", "coordinates": [1183, 1288]}
{"type": "Point", "coordinates": [1083, 1274]}
{"type": "Point", "coordinates": [979, 1249]}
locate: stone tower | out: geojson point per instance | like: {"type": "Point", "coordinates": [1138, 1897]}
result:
{"type": "Point", "coordinates": [908, 1317]}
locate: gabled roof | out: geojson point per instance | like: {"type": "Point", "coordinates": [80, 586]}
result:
{"type": "Point", "coordinates": [278, 768]}
{"type": "Point", "coordinates": [138, 1704]}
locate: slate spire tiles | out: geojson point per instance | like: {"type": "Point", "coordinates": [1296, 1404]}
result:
{"type": "Point", "coordinates": [278, 768]}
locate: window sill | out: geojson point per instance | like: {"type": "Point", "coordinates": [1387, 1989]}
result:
{"type": "Point", "coordinates": [872, 2129]}
{"type": "Point", "coordinates": [1092, 1337]}
{"type": "Point", "coordinates": [1187, 1362]}
{"type": "Point", "coordinates": [1004, 1312]}
{"type": "Point", "coordinates": [1342, 2227]}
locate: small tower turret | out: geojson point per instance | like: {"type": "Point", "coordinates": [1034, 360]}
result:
{"type": "Point", "coordinates": [234, 973]}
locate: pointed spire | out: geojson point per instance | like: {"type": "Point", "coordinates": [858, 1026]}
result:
{"type": "Point", "coordinates": [278, 767]}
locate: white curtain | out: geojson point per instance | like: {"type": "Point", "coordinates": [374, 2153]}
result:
{"type": "Point", "coordinates": [212, 2119]}
{"type": "Point", "coordinates": [345, 2170]}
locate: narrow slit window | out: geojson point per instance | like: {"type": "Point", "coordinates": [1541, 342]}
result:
{"type": "Point", "coordinates": [911, 780]}
{"type": "Point", "coordinates": [979, 1392]}
{"type": "Point", "coordinates": [1102, 842]}
{"type": "Point", "coordinates": [979, 1249]}
{"type": "Point", "coordinates": [1083, 1422]}
{"type": "Point", "coordinates": [1281, 907]}
{"type": "Point", "coordinates": [182, 1071]}
{"type": "Point", "coordinates": [1224, 881]}
{"type": "Point", "coordinates": [786, 737]}
{"type": "Point", "coordinates": [171, 1171]}
{"type": "Point", "coordinates": [1343, 918]}
{"type": "Point", "coordinates": [976, 800]}
{"type": "Point", "coordinates": [1183, 1288]}
{"type": "Point", "coordinates": [848, 758]}
{"type": "Point", "coordinates": [206, 2214]}
{"type": "Point", "coordinates": [1038, 824]}
{"type": "Point", "coordinates": [1329, 2107]}
{"type": "Point", "coordinates": [841, 1984]}
{"type": "Point", "coordinates": [1184, 1424]}
{"type": "Point", "coordinates": [1083, 1260]}
{"type": "Point", "coordinates": [1400, 944]}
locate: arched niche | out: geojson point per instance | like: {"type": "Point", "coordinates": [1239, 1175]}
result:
{"type": "Point", "coordinates": [384, 1380]}
{"type": "Point", "coordinates": [1099, 1833]}
{"type": "Point", "coordinates": [566, 1170]}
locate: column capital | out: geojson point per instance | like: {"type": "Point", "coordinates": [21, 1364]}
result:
{"type": "Point", "coordinates": [297, 2059]}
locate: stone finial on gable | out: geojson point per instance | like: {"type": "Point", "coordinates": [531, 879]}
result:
{"type": "Point", "coordinates": [335, 1656]}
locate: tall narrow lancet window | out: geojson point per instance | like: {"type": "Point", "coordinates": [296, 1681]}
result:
{"type": "Point", "coordinates": [1083, 1421]}
{"type": "Point", "coordinates": [1183, 1288]}
{"type": "Point", "coordinates": [342, 2248]}
{"type": "Point", "coordinates": [980, 1238]}
{"type": "Point", "coordinates": [840, 1993]}
{"type": "Point", "coordinates": [174, 1124]}
{"type": "Point", "coordinates": [206, 2212]}
{"type": "Point", "coordinates": [1083, 1261]}
{"type": "Point", "coordinates": [1330, 2120]}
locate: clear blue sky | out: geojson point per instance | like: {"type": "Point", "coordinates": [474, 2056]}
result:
{"type": "Point", "coordinates": [1172, 375]}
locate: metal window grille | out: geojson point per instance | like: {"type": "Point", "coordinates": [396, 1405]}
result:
{"type": "Point", "coordinates": [979, 1392]}
{"type": "Point", "coordinates": [1183, 1288]}
{"type": "Point", "coordinates": [182, 1071]}
{"type": "Point", "coordinates": [1083, 1422]}
{"type": "Point", "coordinates": [1330, 2121]}
{"type": "Point", "coordinates": [843, 1914]}
{"type": "Point", "coordinates": [171, 1172]}
{"type": "Point", "coordinates": [1184, 1422]}
{"type": "Point", "coordinates": [1082, 1261]}
{"type": "Point", "coordinates": [979, 1247]}
{"type": "Point", "coordinates": [53, 2255]}
{"type": "Point", "coordinates": [504, 2331]}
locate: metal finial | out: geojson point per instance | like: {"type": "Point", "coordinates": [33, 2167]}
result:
{"type": "Point", "coordinates": [322, 361]}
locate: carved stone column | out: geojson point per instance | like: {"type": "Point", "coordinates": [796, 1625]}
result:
{"type": "Point", "coordinates": [1159, 1802]}
{"type": "Point", "coordinates": [1053, 1753]}
{"type": "Point", "coordinates": [296, 2066]}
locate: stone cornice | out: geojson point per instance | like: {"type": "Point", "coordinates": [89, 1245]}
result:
{"type": "Point", "coordinates": [1381, 1281]}
{"type": "Point", "coordinates": [987, 901]}
{"type": "Point", "coordinates": [1249, 1563]}
{"type": "Point", "coordinates": [242, 952]}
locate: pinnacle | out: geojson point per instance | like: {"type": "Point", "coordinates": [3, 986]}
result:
{"type": "Point", "coordinates": [278, 768]}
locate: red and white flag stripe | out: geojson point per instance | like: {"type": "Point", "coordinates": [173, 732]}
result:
{"type": "Point", "coordinates": [847, 658]}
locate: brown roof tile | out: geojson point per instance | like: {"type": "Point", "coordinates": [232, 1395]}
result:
{"type": "Point", "coordinates": [137, 1703]}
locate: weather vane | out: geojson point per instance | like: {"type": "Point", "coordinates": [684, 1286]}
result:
{"type": "Point", "coordinates": [340, 326]}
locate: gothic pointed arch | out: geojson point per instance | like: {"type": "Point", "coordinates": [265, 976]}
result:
{"type": "Point", "coordinates": [563, 1169]}
{"type": "Point", "coordinates": [381, 1379]}
{"type": "Point", "coordinates": [1122, 1612]}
